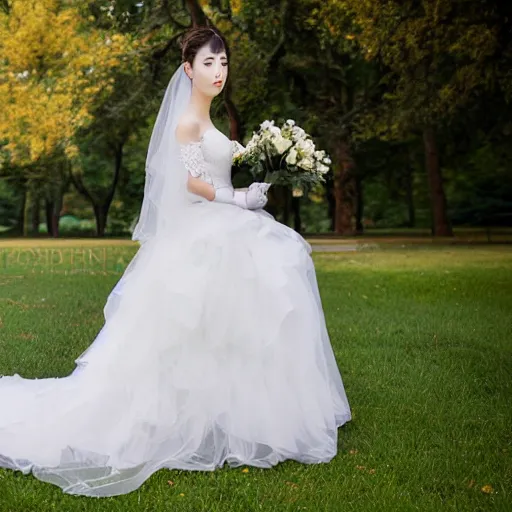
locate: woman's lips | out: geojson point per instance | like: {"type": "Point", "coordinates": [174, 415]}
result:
{"type": "Point", "coordinates": [217, 84]}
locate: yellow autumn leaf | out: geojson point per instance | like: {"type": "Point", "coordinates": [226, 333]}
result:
{"type": "Point", "coordinates": [54, 66]}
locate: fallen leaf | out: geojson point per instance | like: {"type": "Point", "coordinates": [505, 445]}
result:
{"type": "Point", "coordinates": [487, 489]}
{"type": "Point", "coordinates": [170, 482]}
{"type": "Point", "coordinates": [353, 452]}
{"type": "Point", "coordinates": [292, 485]}
{"type": "Point", "coordinates": [245, 470]}
{"type": "Point", "coordinates": [471, 484]}
{"type": "Point", "coordinates": [372, 471]}
{"type": "Point", "coordinates": [360, 467]}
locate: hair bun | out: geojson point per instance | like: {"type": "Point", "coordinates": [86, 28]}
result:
{"type": "Point", "coordinates": [194, 38]}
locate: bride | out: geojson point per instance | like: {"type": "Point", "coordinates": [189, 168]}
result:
{"type": "Point", "coordinates": [214, 348]}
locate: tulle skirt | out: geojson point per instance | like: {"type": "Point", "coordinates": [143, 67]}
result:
{"type": "Point", "coordinates": [214, 350]}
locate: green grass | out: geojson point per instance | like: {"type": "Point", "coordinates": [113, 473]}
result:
{"type": "Point", "coordinates": [423, 338]}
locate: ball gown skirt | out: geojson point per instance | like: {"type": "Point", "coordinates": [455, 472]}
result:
{"type": "Point", "coordinates": [214, 350]}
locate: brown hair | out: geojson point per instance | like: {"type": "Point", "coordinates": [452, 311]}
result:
{"type": "Point", "coordinates": [195, 38]}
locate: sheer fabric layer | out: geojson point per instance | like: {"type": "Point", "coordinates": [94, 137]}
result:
{"type": "Point", "coordinates": [214, 351]}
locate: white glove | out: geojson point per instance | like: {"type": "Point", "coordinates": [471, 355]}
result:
{"type": "Point", "coordinates": [257, 195]}
{"type": "Point", "coordinates": [224, 195]}
{"type": "Point", "coordinates": [254, 199]}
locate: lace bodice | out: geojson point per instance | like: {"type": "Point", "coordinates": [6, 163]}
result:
{"type": "Point", "coordinates": [210, 158]}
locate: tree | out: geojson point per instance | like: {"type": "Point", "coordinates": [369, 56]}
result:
{"type": "Point", "coordinates": [313, 75]}
{"type": "Point", "coordinates": [54, 67]}
{"type": "Point", "coordinates": [436, 55]}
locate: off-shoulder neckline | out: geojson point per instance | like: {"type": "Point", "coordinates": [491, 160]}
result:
{"type": "Point", "coordinates": [200, 141]}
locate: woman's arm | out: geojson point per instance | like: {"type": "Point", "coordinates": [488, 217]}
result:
{"type": "Point", "coordinates": [200, 187]}
{"type": "Point", "coordinates": [188, 132]}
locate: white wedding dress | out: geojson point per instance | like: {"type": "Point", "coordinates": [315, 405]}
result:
{"type": "Point", "coordinates": [214, 350]}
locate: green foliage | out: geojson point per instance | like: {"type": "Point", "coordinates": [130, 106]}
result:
{"type": "Point", "coordinates": [436, 55]}
{"type": "Point", "coordinates": [360, 71]}
{"type": "Point", "coordinates": [9, 198]}
{"type": "Point", "coordinates": [70, 225]}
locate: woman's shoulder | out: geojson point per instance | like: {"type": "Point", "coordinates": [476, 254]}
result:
{"type": "Point", "coordinates": [188, 130]}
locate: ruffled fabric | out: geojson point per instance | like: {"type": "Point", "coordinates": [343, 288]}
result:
{"type": "Point", "coordinates": [214, 351]}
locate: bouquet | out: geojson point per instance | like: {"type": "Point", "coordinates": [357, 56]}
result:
{"type": "Point", "coordinates": [284, 156]}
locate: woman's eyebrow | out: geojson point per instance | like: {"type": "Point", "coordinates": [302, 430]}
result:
{"type": "Point", "coordinates": [223, 57]}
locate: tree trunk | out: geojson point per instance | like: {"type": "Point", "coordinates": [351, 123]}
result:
{"type": "Point", "coordinates": [54, 200]}
{"type": "Point", "coordinates": [21, 214]}
{"type": "Point", "coordinates": [36, 214]}
{"type": "Point", "coordinates": [409, 193]}
{"type": "Point", "coordinates": [48, 216]}
{"type": "Point", "coordinates": [55, 218]}
{"type": "Point", "coordinates": [101, 219]}
{"type": "Point", "coordinates": [344, 190]}
{"type": "Point", "coordinates": [440, 223]}
{"type": "Point", "coordinates": [233, 115]}
{"type": "Point", "coordinates": [31, 213]}
{"type": "Point", "coordinates": [58, 202]}
{"type": "Point", "coordinates": [196, 13]}
{"type": "Point", "coordinates": [286, 206]}
{"type": "Point", "coordinates": [359, 205]}
{"type": "Point", "coordinates": [101, 208]}
{"type": "Point", "coordinates": [297, 222]}
{"type": "Point", "coordinates": [331, 200]}
{"type": "Point", "coordinates": [26, 212]}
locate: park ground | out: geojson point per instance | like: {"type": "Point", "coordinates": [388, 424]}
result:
{"type": "Point", "coordinates": [422, 332]}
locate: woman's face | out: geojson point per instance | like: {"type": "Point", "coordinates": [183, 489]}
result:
{"type": "Point", "coordinates": [209, 72]}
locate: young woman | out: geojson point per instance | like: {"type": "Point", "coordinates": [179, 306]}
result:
{"type": "Point", "coordinates": [214, 349]}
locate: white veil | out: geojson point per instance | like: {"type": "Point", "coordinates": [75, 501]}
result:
{"type": "Point", "coordinates": [165, 189]}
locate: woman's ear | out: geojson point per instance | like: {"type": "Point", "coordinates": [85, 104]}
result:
{"type": "Point", "coordinates": [188, 70]}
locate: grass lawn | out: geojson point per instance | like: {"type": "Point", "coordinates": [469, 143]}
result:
{"type": "Point", "coordinates": [423, 337]}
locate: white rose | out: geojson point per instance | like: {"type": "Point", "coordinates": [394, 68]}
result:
{"type": "Point", "coordinates": [291, 157]}
{"type": "Point", "coordinates": [309, 147]}
{"type": "Point", "coordinates": [307, 163]}
{"type": "Point", "coordinates": [322, 169]}
{"type": "Point", "coordinates": [266, 125]}
{"type": "Point", "coordinates": [264, 137]}
{"type": "Point", "coordinates": [319, 155]}
{"type": "Point", "coordinates": [298, 133]}
{"type": "Point", "coordinates": [290, 122]}
{"type": "Point", "coordinates": [282, 144]}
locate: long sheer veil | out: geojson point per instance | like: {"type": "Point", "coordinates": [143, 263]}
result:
{"type": "Point", "coordinates": [165, 189]}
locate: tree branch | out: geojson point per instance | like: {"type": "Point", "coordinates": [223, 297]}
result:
{"type": "Point", "coordinates": [76, 179]}
{"type": "Point", "coordinates": [279, 50]}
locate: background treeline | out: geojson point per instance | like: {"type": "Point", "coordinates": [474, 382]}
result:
{"type": "Point", "coordinates": [411, 99]}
